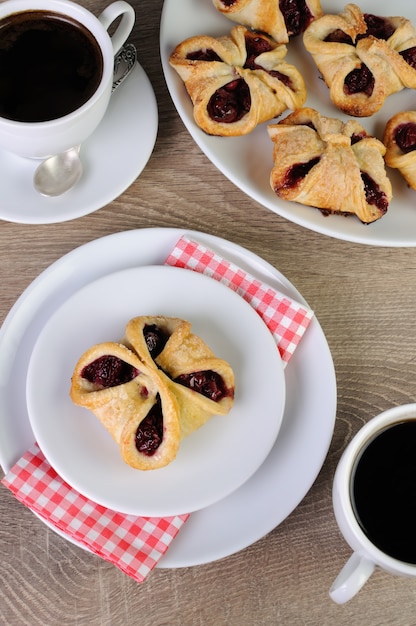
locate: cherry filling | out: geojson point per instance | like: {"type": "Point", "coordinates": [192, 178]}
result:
{"type": "Point", "coordinates": [405, 137]}
{"type": "Point", "coordinates": [373, 194]}
{"type": "Point", "coordinates": [409, 56]}
{"type": "Point", "coordinates": [203, 55]}
{"type": "Point", "coordinates": [149, 433]}
{"type": "Point", "coordinates": [109, 371]}
{"type": "Point", "coordinates": [356, 137]}
{"type": "Point", "coordinates": [360, 80]}
{"type": "Point", "coordinates": [296, 15]}
{"type": "Point", "coordinates": [230, 103]}
{"type": "Point", "coordinates": [338, 36]}
{"type": "Point", "coordinates": [256, 46]}
{"type": "Point", "coordinates": [208, 383]}
{"type": "Point", "coordinates": [282, 77]}
{"type": "Point", "coordinates": [155, 339]}
{"type": "Point", "coordinates": [378, 27]}
{"type": "Point", "coordinates": [296, 172]}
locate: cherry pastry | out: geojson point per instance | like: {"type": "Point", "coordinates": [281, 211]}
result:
{"type": "Point", "coordinates": [238, 81]}
{"type": "Point", "coordinates": [154, 388]}
{"type": "Point", "coordinates": [280, 19]}
{"type": "Point", "coordinates": [363, 58]}
{"type": "Point", "coordinates": [328, 164]}
{"type": "Point", "coordinates": [400, 141]}
{"type": "Point", "coordinates": [202, 384]}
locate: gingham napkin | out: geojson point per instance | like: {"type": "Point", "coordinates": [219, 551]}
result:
{"type": "Point", "coordinates": [286, 319]}
{"type": "Point", "coordinates": [135, 544]}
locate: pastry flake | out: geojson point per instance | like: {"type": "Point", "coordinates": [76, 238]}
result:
{"type": "Point", "coordinates": [238, 81]}
{"type": "Point", "coordinates": [363, 58]}
{"type": "Point", "coordinates": [400, 141]}
{"type": "Point", "coordinates": [279, 19]}
{"type": "Point", "coordinates": [328, 164]}
{"type": "Point", "coordinates": [154, 388]}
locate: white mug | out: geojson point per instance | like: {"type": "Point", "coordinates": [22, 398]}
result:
{"type": "Point", "coordinates": [366, 554]}
{"type": "Point", "coordinates": [40, 139]}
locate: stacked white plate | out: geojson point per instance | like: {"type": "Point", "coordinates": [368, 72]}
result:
{"type": "Point", "coordinates": [78, 301]}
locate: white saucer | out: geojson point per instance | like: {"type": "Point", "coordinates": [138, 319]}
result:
{"type": "Point", "coordinates": [113, 157]}
{"type": "Point", "coordinates": [212, 462]}
{"type": "Point", "coordinates": [295, 460]}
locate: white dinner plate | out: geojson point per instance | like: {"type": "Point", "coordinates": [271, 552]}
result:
{"type": "Point", "coordinates": [112, 158]}
{"type": "Point", "coordinates": [295, 460]}
{"type": "Point", "coordinates": [213, 461]}
{"type": "Point", "coordinates": [247, 161]}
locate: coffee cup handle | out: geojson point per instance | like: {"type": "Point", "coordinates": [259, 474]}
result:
{"type": "Point", "coordinates": [355, 573]}
{"type": "Point", "coordinates": [110, 14]}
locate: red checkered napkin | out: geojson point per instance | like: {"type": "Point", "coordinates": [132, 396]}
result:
{"type": "Point", "coordinates": [135, 544]}
{"type": "Point", "coordinates": [286, 319]}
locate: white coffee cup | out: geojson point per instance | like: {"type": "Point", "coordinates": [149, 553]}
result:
{"type": "Point", "coordinates": [44, 138]}
{"type": "Point", "coordinates": [366, 555]}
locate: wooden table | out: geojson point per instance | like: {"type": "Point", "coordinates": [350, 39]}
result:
{"type": "Point", "coordinates": [365, 300]}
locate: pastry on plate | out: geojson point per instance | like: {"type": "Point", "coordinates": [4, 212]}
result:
{"type": "Point", "coordinates": [238, 81]}
{"type": "Point", "coordinates": [278, 18]}
{"type": "Point", "coordinates": [400, 141]}
{"type": "Point", "coordinates": [131, 401]}
{"type": "Point", "coordinates": [328, 164]}
{"type": "Point", "coordinates": [203, 384]}
{"type": "Point", "coordinates": [363, 58]}
{"type": "Point", "coordinates": [154, 388]}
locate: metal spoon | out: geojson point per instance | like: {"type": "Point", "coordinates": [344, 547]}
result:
{"type": "Point", "coordinates": [61, 172]}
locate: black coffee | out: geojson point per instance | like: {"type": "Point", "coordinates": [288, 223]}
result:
{"type": "Point", "coordinates": [49, 66]}
{"type": "Point", "coordinates": [384, 491]}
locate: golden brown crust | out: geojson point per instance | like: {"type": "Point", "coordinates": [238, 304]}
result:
{"type": "Point", "coordinates": [335, 60]}
{"type": "Point", "coordinates": [265, 15]}
{"type": "Point", "coordinates": [168, 449]}
{"type": "Point", "coordinates": [333, 155]}
{"type": "Point", "coordinates": [173, 327]}
{"type": "Point", "coordinates": [183, 354]}
{"type": "Point", "coordinates": [395, 157]}
{"type": "Point", "coordinates": [123, 407]}
{"type": "Point", "coordinates": [273, 85]}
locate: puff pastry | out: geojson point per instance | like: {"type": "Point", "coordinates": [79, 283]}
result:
{"type": "Point", "coordinates": [363, 58]}
{"type": "Point", "coordinates": [131, 401]}
{"type": "Point", "coordinates": [152, 389]}
{"type": "Point", "coordinates": [278, 18]}
{"type": "Point", "coordinates": [328, 164]}
{"type": "Point", "coordinates": [400, 141]}
{"type": "Point", "coordinates": [238, 81]}
{"type": "Point", "coordinates": [203, 385]}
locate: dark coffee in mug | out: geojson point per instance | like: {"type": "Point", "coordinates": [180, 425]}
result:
{"type": "Point", "coordinates": [383, 490]}
{"type": "Point", "coordinates": [50, 65]}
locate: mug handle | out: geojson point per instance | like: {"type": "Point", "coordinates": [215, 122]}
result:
{"type": "Point", "coordinates": [355, 573]}
{"type": "Point", "coordinates": [123, 30]}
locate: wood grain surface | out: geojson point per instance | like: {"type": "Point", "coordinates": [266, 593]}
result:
{"type": "Point", "coordinates": [365, 300]}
